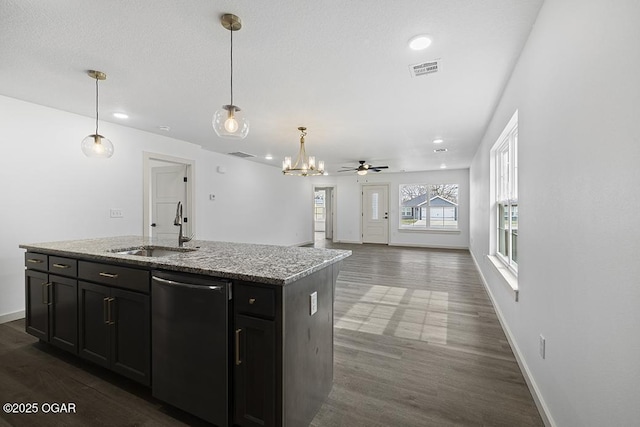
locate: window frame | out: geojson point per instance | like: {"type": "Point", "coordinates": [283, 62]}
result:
{"type": "Point", "coordinates": [426, 207]}
{"type": "Point", "coordinates": [505, 154]}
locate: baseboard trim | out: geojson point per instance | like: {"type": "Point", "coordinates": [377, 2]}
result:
{"type": "Point", "coordinates": [9, 317]}
{"type": "Point", "coordinates": [526, 373]}
{"type": "Point", "coordinates": [417, 245]}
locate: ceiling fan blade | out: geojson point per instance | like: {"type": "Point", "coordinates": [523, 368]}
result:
{"type": "Point", "coordinates": [378, 167]}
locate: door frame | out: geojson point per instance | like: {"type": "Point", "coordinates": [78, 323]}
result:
{"type": "Point", "coordinates": [148, 159]}
{"type": "Point", "coordinates": [374, 184]}
{"type": "Point", "coordinates": [334, 202]}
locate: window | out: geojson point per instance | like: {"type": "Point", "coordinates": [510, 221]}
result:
{"type": "Point", "coordinates": [429, 206]}
{"type": "Point", "coordinates": [506, 203]}
{"type": "Point", "coordinates": [319, 206]}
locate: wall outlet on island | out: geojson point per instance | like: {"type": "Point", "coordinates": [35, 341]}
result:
{"type": "Point", "coordinates": [115, 213]}
{"type": "Point", "coordinates": [313, 303]}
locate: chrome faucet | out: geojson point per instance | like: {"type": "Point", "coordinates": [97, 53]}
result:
{"type": "Point", "coordinates": [178, 222]}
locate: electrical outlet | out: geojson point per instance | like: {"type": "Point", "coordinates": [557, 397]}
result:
{"type": "Point", "coordinates": [313, 303]}
{"type": "Point", "coordinates": [542, 346]}
{"type": "Point", "coordinates": [115, 213]}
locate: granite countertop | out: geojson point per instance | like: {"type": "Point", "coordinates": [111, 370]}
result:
{"type": "Point", "coordinates": [278, 265]}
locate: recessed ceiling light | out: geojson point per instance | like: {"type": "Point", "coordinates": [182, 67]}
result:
{"type": "Point", "coordinates": [440, 150]}
{"type": "Point", "coordinates": [420, 42]}
{"type": "Point", "coordinates": [325, 173]}
{"type": "Point", "coordinates": [443, 166]}
{"type": "Point", "coordinates": [120, 115]}
{"type": "Point", "coordinates": [268, 157]}
{"type": "Point", "coordinates": [438, 141]}
{"type": "Point", "coordinates": [164, 128]}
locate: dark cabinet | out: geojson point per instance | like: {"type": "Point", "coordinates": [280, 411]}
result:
{"type": "Point", "coordinates": [255, 386]}
{"type": "Point", "coordinates": [114, 329]}
{"type": "Point", "coordinates": [51, 301]}
{"type": "Point", "coordinates": [254, 372]}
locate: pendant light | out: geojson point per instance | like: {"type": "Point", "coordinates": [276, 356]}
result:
{"type": "Point", "coordinates": [96, 145]}
{"type": "Point", "coordinates": [229, 122]}
{"type": "Point", "coordinates": [304, 166]}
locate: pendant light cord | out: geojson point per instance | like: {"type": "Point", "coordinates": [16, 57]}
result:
{"type": "Point", "coordinates": [96, 105]}
{"type": "Point", "coordinates": [231, 30]}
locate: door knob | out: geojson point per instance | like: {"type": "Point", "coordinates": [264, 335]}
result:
{"type": "Point", "coordinates": [153, 224]}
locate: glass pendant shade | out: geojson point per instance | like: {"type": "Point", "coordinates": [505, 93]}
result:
{"type": "Point", "coordinates": [97, 146]}
{"type": "Point", "coordinates": [229, 122]}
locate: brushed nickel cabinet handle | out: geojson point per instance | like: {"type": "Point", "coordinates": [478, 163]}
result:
{"type": "Point", "coordinates": [49, 293]}
{"type": "Point", "coordinates": [252, 300]}
{"type": "Point", "coordinates": [238, 361]}
{"type": "Point", "coordinates": [109, 275]}
{"type": "Point", "coordinates": [34, 261]}
{"type": "Point", "coordinates": [45, 293]}
{"type": "Point", "coordinates": [111, 321]}
{"type": "Point", "coordinates": [105, 310]}
{"type": "Point", "coordinates": [60, 265]}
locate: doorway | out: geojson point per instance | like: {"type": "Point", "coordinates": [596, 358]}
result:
{"type": "Point", "coordinates": [375, 214]}
{"type": "Point", "coordinates": [323, 215]}
{"type": "Point", "coordinates": [167, 181]}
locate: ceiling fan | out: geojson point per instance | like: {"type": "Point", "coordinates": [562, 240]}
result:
{"type": "Point", "coordinates": [364, 168]}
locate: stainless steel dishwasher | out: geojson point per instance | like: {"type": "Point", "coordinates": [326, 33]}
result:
{"type": "Point", "coordinates": [190, 344]}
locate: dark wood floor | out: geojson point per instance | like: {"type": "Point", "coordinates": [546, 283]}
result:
{"type": "Point", "coordinates": [417, 343]}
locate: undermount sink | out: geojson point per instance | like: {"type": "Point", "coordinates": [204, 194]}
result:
{"type": "Point", "coordinates": [151, 251]}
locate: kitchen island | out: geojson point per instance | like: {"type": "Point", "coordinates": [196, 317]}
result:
{"type": "Point", "coordinates": [271, 332]}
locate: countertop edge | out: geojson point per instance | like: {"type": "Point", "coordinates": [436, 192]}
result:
{"type": "Point", "coordinates": [164, 263]}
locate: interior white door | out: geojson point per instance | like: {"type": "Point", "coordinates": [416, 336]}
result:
{"type": "Point", "coordinates": [168, 188]}
{"type": "Point", "coordinates": [328, 219]}
{"type": "Point", "coordinates": [375, 214]}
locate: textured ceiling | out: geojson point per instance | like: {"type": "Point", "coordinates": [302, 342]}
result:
{"type": "Point", "coordinates": [341, 68]}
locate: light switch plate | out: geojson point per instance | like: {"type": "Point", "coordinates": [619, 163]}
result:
{"type": "Point", "coordinates": [313, 303]}
{"type": "Point", "coordinates": [115, 213]}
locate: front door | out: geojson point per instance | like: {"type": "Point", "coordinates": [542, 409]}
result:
{"type": "Point", "coordinates": [168, 188]}
{"type": "Point", "coordinates": [375, 214]}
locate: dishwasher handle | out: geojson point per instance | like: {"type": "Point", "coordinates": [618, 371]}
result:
{"type": "Point", "coordinates": [187, 285]}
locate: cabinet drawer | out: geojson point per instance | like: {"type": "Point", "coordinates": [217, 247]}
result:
{"type": "Point", "coordinates": [115, 275]}
{"type": "Point", "coordinates": [63, 266]}
{"type": "Point", "coordinates": [35, 261]}
{"type": "Point", "coordinates": [255, 300]}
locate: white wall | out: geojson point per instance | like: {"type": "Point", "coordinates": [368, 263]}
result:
{"type": "Point", "coordinates": [577, 90]}
{"type": "Point", "coordinates": [348, 195]}
{"type": "Point", "coordinates": [51, 191]}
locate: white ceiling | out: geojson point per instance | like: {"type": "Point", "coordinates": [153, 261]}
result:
{"type": "Point", "coordinates": [341, 68]}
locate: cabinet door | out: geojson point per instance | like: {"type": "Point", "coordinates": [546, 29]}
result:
{"type": "Point", "coordinates": [255, 374]}
{"type": "Point", "coordinates": [130, 334]}
{"type": "Point", "coordinates": [63, 313]}
{"type": "Point", "coordinates": [37, 308]}
{"type": "Point", "coordinates": [93, 322]}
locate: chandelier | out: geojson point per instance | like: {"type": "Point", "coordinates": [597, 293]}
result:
{"type": "Point", "coordinates": [304, 166]}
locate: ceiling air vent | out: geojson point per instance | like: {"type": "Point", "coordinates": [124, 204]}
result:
{"type": "Point", "coordinates": [424, 68]}
{"type": "Point", "coordinates": [241, 154]}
